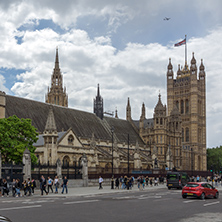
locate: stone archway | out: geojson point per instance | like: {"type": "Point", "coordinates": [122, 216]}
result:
{"type": "Point", "coordinates": [66, 161]}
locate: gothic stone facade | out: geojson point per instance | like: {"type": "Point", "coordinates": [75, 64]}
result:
{"type": "Point", "coordinates": [174, 137]}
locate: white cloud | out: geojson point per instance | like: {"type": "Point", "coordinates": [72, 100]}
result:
{"type": "Point", "coordinates": [137, 71]}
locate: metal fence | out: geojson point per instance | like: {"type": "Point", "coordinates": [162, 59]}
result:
{"type": "Point", "coordinates": [70, 171]}
{"type": "Point", "coordinates": [12, 171]}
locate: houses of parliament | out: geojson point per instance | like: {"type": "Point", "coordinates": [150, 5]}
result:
{"type": "Point", "coordinates": [174, 137]}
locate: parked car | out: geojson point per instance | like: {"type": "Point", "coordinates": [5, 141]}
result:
{"type": "Point", "coordinates": [176, 179]}
{"type": "Point", "coordinates": [199, 190]}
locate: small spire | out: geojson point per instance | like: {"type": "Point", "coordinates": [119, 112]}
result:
{"type": "Point", "coordinates": [57, 59]}
{"type": "Point", "coordinates": [116, 114]}
{"type": "Point", "coordinates": [50, 123]}
{"type": "Point", "coordinates": [98, 92]}
{"type": "Point", "coordinates": [170, 65]}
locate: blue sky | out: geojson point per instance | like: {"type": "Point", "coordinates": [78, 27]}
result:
{"type": "Point", "coordinates": [124, 46]}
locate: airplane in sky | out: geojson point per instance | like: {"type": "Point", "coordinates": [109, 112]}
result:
{"type": "Point", "coordinates": [166, 18]}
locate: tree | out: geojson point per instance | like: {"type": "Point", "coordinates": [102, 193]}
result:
{"type": "Point", "coordinates": [15, 135]}
{"type": "Point", "coordinates": [214, 158]}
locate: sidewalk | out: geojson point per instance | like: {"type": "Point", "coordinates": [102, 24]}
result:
{"type": "Point", "coordinates": [91, 191]}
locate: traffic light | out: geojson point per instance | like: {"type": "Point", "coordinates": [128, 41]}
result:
{"type": "Point", "coordinates": [221, 170]}
{"type": "Point", "coordinates": [211, 168]}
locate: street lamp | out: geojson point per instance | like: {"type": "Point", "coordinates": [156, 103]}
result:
{"type": "Point", "coordinates": [112, 180]}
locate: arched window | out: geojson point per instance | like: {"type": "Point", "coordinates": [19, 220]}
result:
{"type": "Point", "coordinates": [182, 135]}
{"type": "Point", "coordinates": [177, 105]}
{"type": "Point", "coordinates": [157, 120]}
{"type": "Point", "coordinates": [176, 125]}
{"type": "Point", "coordinates": [187, 135]}
{"type": "Point", "coordinates": [181, 107]}
{"type": "Point", "coordinates": [187, 106]}
{"type": "Point", "coordinates": [70, 139]}
{"type": "Point", "coordinates": [66, 160]}
{"type": "Point", "coordinates": [161, 121]}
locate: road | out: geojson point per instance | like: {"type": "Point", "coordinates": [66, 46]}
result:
{"type": "Point", "coordinates": [158, 205]}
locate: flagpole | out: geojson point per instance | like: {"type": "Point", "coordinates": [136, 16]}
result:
{"type": "Point", "coordinates": [185, 50]}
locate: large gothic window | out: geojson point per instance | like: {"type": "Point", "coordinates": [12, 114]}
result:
{"type": "Point", "coordinates": [161, 121]}
{"type": "Point", "coordinates": [187, 106]}
{"type": "Point", "coordinates": [187, 135]}
{"type": "Point", "coordinates": [181, 106]}
{"type": "Point", "coordinates": [182, 135]}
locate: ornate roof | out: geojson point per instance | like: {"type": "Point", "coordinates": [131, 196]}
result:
{"type": "Point", "coordinates": [82, 123]}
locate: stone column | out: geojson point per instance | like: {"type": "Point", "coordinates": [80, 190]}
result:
{"type": "Point", "coordinates": [26, 164]}
{"type": "Point", "coordinates": [59, 169]}
{"type": "Point", "coordinates": [84, 164]}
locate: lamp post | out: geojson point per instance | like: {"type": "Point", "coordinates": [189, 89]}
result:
{"type": "Point", "coordinates": [128, 155]}
{"type": "Point", "coordinates": [112, 179]}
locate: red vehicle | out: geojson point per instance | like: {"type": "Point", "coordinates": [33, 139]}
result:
{"type": "Point", "coordinates": [200, 190]}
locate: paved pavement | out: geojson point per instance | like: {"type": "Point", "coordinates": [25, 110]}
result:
{"type": "Point", "coordinates": [87, 191]}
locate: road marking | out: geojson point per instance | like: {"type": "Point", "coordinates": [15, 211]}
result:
{"type": "Point", "coordinates": [190, 201]}
{"type": "Point", "coordinates": [38, 201]}
{"type": "Point", "coordinates": [17, 208]}
{"type": "Point", "coordinates": [143, 198]}
{"type": "Point", "coordinates": [83, 201]}
{"type": "Point", "coordinates": [208, 204]}
{"type": "Point", "coordinates": [163, 199]}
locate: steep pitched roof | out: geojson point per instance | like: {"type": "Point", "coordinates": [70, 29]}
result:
{"type": "Point", "coordinates": [82, 123]}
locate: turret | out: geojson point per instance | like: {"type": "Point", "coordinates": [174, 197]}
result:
{"type": "Point", "coordinates": [202, 72]}
{"type": "Point", "coordinates": [143, 113]}
{"type": "Point", "coordinates": [193, 67]}
{"type": "Point", "coordinates": [98, 104]}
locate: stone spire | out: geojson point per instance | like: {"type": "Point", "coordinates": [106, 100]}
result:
{"type": "Point", "coordinates": [56, 95]}
{"type": "Point", "coordinates": [50, 126]}
{"type": "Point", "coordinates": [128, 110]}
{"type": "Point", "coordinates": [98, 104]}
{"type": "Point", "coordinates": [202, 72]}
{"type": "Point", "coordinates": [116, 114]}
{"type": "Point", "coordinates": [143, 113]}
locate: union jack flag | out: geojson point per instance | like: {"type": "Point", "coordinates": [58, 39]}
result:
{"type": "Point", "coordinates": [180, 43]}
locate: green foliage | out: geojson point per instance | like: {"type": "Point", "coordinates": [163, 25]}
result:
{"type": "Point", "coordinates": [214, 158]}
{"type": "Point", "coordinates": [15, 135]}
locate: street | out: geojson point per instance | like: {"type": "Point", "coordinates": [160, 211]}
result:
{"type": "Point", "coordinates": [154, 205]}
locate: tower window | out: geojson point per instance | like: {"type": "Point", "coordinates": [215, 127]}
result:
{"type": "Point", "coordinates": [182, 107]}
{"type": "Point", "coordinates": [187, 106]}
{"type": "Point", "coordinates": [187, 135]}
{"type": "Point", "coordinates": [57, 81]}
{"type": "Point", "coordinates": [182, 135]}
{"type": "Point", "coordinates": [177, 105]}
{"type": "Point", "coordinates": [157, 120]}
{"type": "Point", "coordinates": [161, 121]}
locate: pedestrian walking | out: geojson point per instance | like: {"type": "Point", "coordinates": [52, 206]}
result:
{"type": "Point", "coordinates": [151, 181]}
{"type": "Point", "coordinates": [33, 186]}
{"type": "Point", "coordinates": [56, 184]}
{"type": "Point", "coordinates": [13, 188]}
{"type": "Point", "coordinates": [5, 188]}
{"type": "Point", "coordinates": [24, 184]}
{"type": "Point", "coordinates": [65, 184]}
{"type": "Point", "coordinates": [100, 182]}
{"type": "Point", "coordinates": [50, 183]}
{"type": "Point", "coordinates": [43, 185]}
{"type": "Point", "coordinates": [17, 187]}
{"type": "Point", "coordinates": [117, 183]}
{"type": "Point", "coordinates": [29, 186]}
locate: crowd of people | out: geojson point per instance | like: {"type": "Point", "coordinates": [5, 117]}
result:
{"type": "Point", "coordinates": [125, 182]}
{"type": "Point", "coordinates": [28, 186]}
